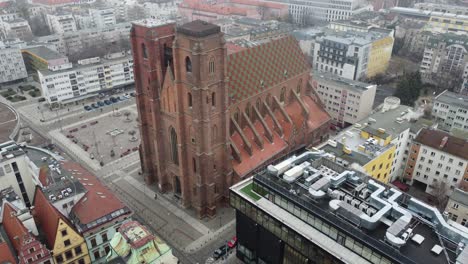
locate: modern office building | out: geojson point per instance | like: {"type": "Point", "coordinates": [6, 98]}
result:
{"type": "Point", "coordinates": [451, 111]}
{"type": "Point", "coordinates": [17, 28]}
{"type": "Point", "coordinates": [12, 66]}
{"type": "Point", "coordinates": [457, 207]}
{"type": "Point", "coordinates": [353, 55]}
{"type": "Point", "coordinates": [86, 78]}
{"type": "Point", "coordinates": [264, 110]}
{"type": "Point", "coordinates": [61, 23]}
{"type": "Point", "coordinates": [104, 17]}
{"type": "Point", "coordinates": [346, 101]}
{"type": "Point", "coordinates": [376, 144]}
{"type": "Point", "coordinates": [437, 162]}
{"type": "Point", "coordinates": [309, 209]}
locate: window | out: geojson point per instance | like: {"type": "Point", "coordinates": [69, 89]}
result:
{"type": "Point", "coordinates": [211, 65]}
{"type": "Point", "coordinates": [174, 147]}
{"type": "Point", "coordinates": [104, 237]}
{"type": "Point", "coordinates": [59, 259]}
{"type": "Point", "coordinates": [67, 242]}
{"type": "Point", "coordinates": [31, 250]}
{"type": "Point", "coordinates": [460, 163]}
{"type": "Point", "coordinates": [188, 64]}
{"type": "Point", "coordinates": [78, 250]}
{"type": "Point", "coordinates": [282, 95]}
{"type": "Point", "coordinates": [194, 164]}
{"type": "Point", "coordinates": [69, 254]}
{"type": "Point", "coordinates": [450, 161]}
{"type": "Point", "coordinates": [48, 262]}
{"type": "Point", "coordinates": [189, 98]}
{"type": "Point", "coordinates": [464, 221]}
{"type": "Point", "coordinates": [455, 205]}
{"type": "Point", "coordinates": [96, 254]}
{"type": "Point", "coordinates": [213, 99]}
{"type": "Point", "coordinates": [144, 51]}
{"type": "Point", "coordinates": [93, 242]}
{"type": "Point", "coordinates": [107, 249]}
{"type": "Point", "coordinates": [81, 261]}
{"type": "Point", "coordinates": [64, 232]}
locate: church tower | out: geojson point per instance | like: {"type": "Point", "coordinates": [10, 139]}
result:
{"type": "Point", "coordinates": [200, 60]}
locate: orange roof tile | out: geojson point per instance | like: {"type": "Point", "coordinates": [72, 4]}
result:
{"type": "Point", "coordinates": [97, 194]}
{"type": "Point", "coordinates": [5, 253]}
{"type": "Point", "coordinates": [233, 48]}
{"type": "Point", "coordinates": [14, 228]}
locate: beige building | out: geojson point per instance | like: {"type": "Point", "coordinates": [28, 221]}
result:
{"type": "Point", "coordinates": [346, 101]}
{"type": "Point", "coordinates": [457, 207]}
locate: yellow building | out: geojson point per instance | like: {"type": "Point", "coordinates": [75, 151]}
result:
{"type": "Point", "coordinates": [444, 23]}
{"type": "Point", "coordinates": [67, 245]}
{"type": "Point", "coordinates": [379, 56]}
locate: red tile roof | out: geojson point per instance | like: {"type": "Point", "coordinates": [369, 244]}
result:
{"type": "Point", "coordinates": [6, 256]}
{"type": "Point", "coordinates": [270, 63]}
{"type": "Point", "coordinates": [434, 139]}
{"type": "Point", "coordinates": [260, 3]}
{"type": "Point", "coordinates": [47, 217]}
{"type": "Point", "coordinates": [44, 176]}
{"type": "Point", "coordinates": [233, 48]}
{"type": "Point", "coordinates": [127, 230]}
{"type": "Point", "coordinates": [97, 194]}
{"type": "Point", "coordinates": [14, 228]}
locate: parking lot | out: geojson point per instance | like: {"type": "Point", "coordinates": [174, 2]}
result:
{"type": "Point", "coordinates": [107, 137]}
{"type": "Point", "coordinates": [107, 100]}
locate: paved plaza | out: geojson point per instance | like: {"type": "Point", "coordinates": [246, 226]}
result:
{"type": "Point", "coordinates": [8, 122]}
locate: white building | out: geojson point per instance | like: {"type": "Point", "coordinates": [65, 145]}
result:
{"type": "Point", "coordinates": [346, 101]}
{"type": "Point", "coordinates": [17, 28]}
{"type": "Point", "coordinates": [61, 23]}
{"type": "Point", "coordinates": [451, 111]}
{"type": "Point", "coordinates": [54, 42]}
{"type": "Point", "coordinates": [437, 160]}
{"type": "Point", "coordinates": [86, 78]}
{"type": "Point", "coordinates": [5, 16]}
{"type": "Point", "coordinates": [103, 17]}
{"type": "Point", "coordinates": [311, 11]}
{"type": "Point", "coordinates": [11, 63]}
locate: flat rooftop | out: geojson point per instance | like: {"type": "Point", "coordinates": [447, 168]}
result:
{"type": "Point", "coordinates": [44, 53]}
{"type": "Point", "coordinates": [382, 219]}
{"type": "Point", "coordinates": [453, 99]}
{"type": "Point", "coordinates": [353, 85]}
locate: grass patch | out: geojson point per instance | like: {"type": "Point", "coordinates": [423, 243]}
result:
{"type": "Point", "coordinates": [8, 93]}
{"type": "Point", "coordinates": [249, 192]}
{"type": "Point", "coordinates": [25, 88]}
{"type": "Point", "coordinates": [34, 93]}
{"type": "Point", "coordinates": [16, 98]}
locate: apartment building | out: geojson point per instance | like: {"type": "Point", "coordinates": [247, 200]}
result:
{"type": "Point", "coordinates": [17, 28]}
{"type": "Point", "coordinates": [12, 66]}
{"type": "Point", "coordinates": [54, 42]}
{"type": "Point", "coordinates": [104, 17]}
{"type": "Point", "coordinates": [447, 23]}
{"type": "Point", "coordinates": [457, 207]}
{"type": "Point", "coordinates": [307, 12]}
{"type": "Point", "coordinates": [7, 16]}
{"type": "Point", "coordinates": [307, 207]}
{"type": "Point", "coordinates": [346, 101]}
{"type": "Point", "coordinates": [450, 111]}
{"type": "Point", "coordinates": [43, 58]}
{"type": "Point", "coordinates": [61, 23]}
{"type": "Point", "coordinates": [437, 162]}
{"type": "Point", "coordinates": [353, 55]}
{"type": "Point", "coordinates": [376, 144]}
{"type": "Point", "coordinates": [448, 9]}
{"type": "Point", "coordinates": [89, 76]}
{"type": "Point", "coordinates": [445, 58]}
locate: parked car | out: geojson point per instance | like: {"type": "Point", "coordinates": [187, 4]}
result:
{"type": "Point", "coordinates": [113, 100]}
{"type": "Point", "coordinates": [101, 103]}
{"type": "Point", "coordinates": [126, 96]}
{"type": "Point", "coordinates": [121, 98]}
{"type": "Point", "coordinates": [221, 251]}
{"type": "Point", "coordinates": [94, 105]}
{"type": "Point", "coordinates": [233, 242]}
{"type": "Point", "coordinates": [88, 108]}
{"type": "Point", "coordinates": [107, 102]}
{"type": "Point", "coordinates": [132, 94]}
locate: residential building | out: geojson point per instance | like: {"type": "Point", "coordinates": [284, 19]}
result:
{"type": "Point", "coordinates": [17, 171]}
{"type": "Point", "coordinates": [353, 55]}
{"type": "Point", "coordinates": [11, 63]}
{"type": "Point", "coordinates": [447, 23]}
{"type": "Point", "coordinates": [42, 58]}
{"type": "Point", "coordinates": [310, 12]}
{"type": "Point", "coordinates": [450, 111]}
{"type": "Point", "coordinates": [66, 244]}
{"type": "Point", "coordinates": [54, 42]}
{"type": "Point", "coordinates": [8, 16]}
{"type": "Point", "coordinates": [102, 17]}
{"type": "Point", "coordinates": [457, 207]}
{"type": "Point", "coordinates": [255, 116]}
{"type": "Point", "coordinates": [18, 28]}
{"type": "Point", "coordinates": [444, 59]}
{"type": "Point", "coordinates": [85, 79]}
{"type": "Point", "coordinates": [346, 101]}
{"type": "Point", "coordinates": [443, 8]}
{"type": "Point", "coordinates": [5, 252]}
{"type": "Point", "coordinates": [376, 144]}
{"type": "Point", "coordinates": [307, 38]}
{"type": "Point", "coordinates": [22, 232]}
{"type": "Point", "coordinates": [61, 23]}
{"type": "Point", "coordinates": [97, 224]}
{"type": "Point", "coordinates": [310, 208]}
{"type": "Point", "coordinates": [135, 244]}
{"type": "Point", "coordinates": [437, 162]}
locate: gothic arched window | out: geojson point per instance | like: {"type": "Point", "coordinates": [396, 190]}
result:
{"type": "Point", "coordinates": [189, 97]}
{"type": "Point", "coordinates": [144, 52]}
{"type": "Point", "coordinates": [213, 99]}
{"type": "Point", "coordinates": [282, 95]}
{"type": "Point", "coordinates": [188, 64]}
{"type": "Point", "coordinates": [299, 87]}
{"type": "Point", "coordinates": [211, 65]}
{"type": "Point", "coordinates": [174, 151]}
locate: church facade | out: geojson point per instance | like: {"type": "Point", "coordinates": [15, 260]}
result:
{"type": "Point", "coordinates": [209, 119]}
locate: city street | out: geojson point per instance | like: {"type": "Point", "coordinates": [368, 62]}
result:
{"type": "Point", "coordinates": [193, 240]}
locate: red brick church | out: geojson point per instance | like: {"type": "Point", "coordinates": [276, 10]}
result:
{"type": "Point", "coordinates": [209, 119]}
